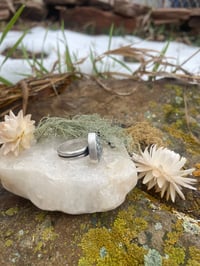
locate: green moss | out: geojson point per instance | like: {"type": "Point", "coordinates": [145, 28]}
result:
{"type": "Point", "coordinates": [144, 134]}
{"type": "Point", "coordinates": [116, 245]}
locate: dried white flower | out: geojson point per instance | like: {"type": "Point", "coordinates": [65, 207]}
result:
{"type": "Point", "coordinates": [16, 133]}
{"type": "Point", "coordinates": [162, 169]}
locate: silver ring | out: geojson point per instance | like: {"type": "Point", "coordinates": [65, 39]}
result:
{"type": "Point", "coordinates": [94, 147]}
{"type": "Point", "coordinates": [74, 148]}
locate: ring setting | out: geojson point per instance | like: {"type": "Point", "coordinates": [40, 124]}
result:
{"type": "Point", "coordinates": [77, 148]}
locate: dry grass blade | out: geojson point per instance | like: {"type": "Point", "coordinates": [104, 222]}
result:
{"type": "Point", "coordinates": [25, 95]}
{"type": "Point", "coordinates": [111, 90]}
{"type": "Point", "coordinates": [148, 59]}
{"type": "Point", "coordinates": [131, 52]}
{"type": "Point", "coordinates": [19, 94]}
{"type": "Point", "coordinates": [194, 79]}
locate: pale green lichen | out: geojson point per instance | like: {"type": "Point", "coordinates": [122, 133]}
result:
{"type": "Point", "coordinates": [80, 126]}
{"type": "Point", "coordinates": [191, 228]}
{"type": "Point", "coordinates": [158, 226]}
{"type": "Point", "coordinates": [153, 258]}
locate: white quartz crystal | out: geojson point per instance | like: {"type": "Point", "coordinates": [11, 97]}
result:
{"type": "Point", "coordinates": [73, 186]}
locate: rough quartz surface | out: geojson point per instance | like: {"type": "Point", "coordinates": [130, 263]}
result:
{"type": "Point", "coordinates": [73, 186]}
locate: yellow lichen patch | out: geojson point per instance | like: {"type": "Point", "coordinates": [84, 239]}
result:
{"type": "Point", "coordinates": [197, 165]}
{"type": "Point", "coordinates": [194, 254]}
{"type": "Point", "coordinates": [143, 134]}
{"type": "Point", "coordinates": [11, 211]}
{"type": "Point", "coordinates": [192, 263]}
{"type": "Point", "coordinates": [196, 172]}
{"type": "Point", "coordinates": [8, 243]}
{"type": "Point", "coordinates": [116, 245]}
{"type": "Point", "coordinates": [103, 247]}
{"type": "Point", "coordinates": [191, 143]}
{"type": "Point", "coordinates": [39, 246]}
{"type": "Point", "coordinates": [9, 232]}
{"type": "Point", "coordinates": [49, 234]}
{"type": "Point", "coordinates": [135, 195]}
{"type": "Point", "coordinates": [173, 236]}
{"type": "Point", "coordinates": [46, 235]}
{"type": "Point", "coordinates": [40, 217]}
{"type": "Point", "coordinates": [175, 255]}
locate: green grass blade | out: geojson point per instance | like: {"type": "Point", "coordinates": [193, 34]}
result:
{"type": "Point", "coordinates": [14, 47]}
{"type": "Point", "coordinates": [5, 81]}
{"type": "Point", "coordinates": [11, 23]}
{"type": "Point", "coordinates": [92, 58]}
{"type": "Point", "coordinates": [68, 60]}
{"type": "Point", "coordinates": [122, 64]}
{"type": "Point", "coordinates": [59, 58]}
{"type": "Point", "coordinates": [41, 67]}
{"type": "Point", "coordinates": [110, 36]}
{"type": "Point", "coordinates": [68, 57]}
{"type": "Point", "coordinates": [162, 53]}
{"type": "Point", "coordinates": [43, 43]}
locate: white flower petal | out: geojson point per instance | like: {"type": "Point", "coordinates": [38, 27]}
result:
{"type": "Point", "coordinates": [161, 181]}
{"type": "Point", "coordinates": [147, 178]}
{"type": "Point", "coordinates": [162, 168]}
{"type": "Point", "coordinates": [16, 133]}
{"type": "Point", "coordinates": [172, 192]}
{"type": "Point", "coordinates": [178, 190]}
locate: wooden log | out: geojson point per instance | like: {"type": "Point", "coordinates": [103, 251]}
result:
{"type": "Point", "coordinates": [195, 12]}
{"type": "Point", "coordinates": [166, 21]}
{"type": "Point", "coordinates": [64, 2]}
{"type": "Point", "coordinates": [88, 18]}
{"type": "Point", "coordinates": [171, 13]}
{"type": "Point", "coordinates": [103, 5]}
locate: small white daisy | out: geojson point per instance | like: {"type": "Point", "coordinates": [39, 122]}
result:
{"type": "Point", "coordinates": [16, 133]}
{"type": "Point", "coordinates": [162, 169]}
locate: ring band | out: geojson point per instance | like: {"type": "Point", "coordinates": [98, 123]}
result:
{"type": "Point", "coordinates": [94, 147]}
